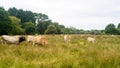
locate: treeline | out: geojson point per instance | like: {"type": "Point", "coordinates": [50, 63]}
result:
{"type": "Point", "coordinates": [18, 21]}
{"type": "Point", "coordinates": [112, 29]}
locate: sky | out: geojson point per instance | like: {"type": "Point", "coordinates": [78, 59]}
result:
{"type": "Point", "coordinates": [81, 14]}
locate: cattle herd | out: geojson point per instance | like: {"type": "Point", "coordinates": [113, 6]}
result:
{"type": "Point", "coordinates": [37, 39]}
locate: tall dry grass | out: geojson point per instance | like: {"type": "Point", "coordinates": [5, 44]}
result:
{"type": "Point", "coordinates": [104, 53]}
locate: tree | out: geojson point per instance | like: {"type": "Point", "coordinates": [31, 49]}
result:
{"type": "Point", "coordinates": [118, 25]}
{"type": "Point", "coordinates": [5, 22]}
{"type": "Point", "coordinates": [96, 32]}
{"type": "Point", "coordinates": [17, 26]}
{"type": "Point", "coordinates": [51, 29]}
{"type": "Point", "coordinates": [25, 16]}
{"type": "Point", "coordinates": [58, 27]}
{"type": "Point", "coordinates": [62, 29]}
{"type": "Point", "coordinates": [118, 29]}
{"type": "Point", "coordinates": [110, 29]}
{"type": "Point", "coordinates": [30, 28]}
{"type": "Point", "coordinates": [13, 11]}
{"type": "Point", "coordinates": [42, 26]}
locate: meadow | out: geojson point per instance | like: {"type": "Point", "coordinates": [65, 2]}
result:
{"type": "Point", "coordinates": [78, 53]}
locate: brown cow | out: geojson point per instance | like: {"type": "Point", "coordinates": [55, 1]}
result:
{"type": "Point", "coordinates": [40, 40]}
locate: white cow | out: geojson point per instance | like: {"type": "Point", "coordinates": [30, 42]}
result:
{"type": "Point", "coordinates": [67, 38]}
{"type": "Point", "coordinates": [90, 39]}
{"type": "Point", "coordinates": [30, 38]}
{"type": "Point", "coordinates": [12, 39]}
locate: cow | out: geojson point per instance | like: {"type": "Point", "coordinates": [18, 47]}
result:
{"type": "Point", "coordinates": [12, 39]}
{"type": "Point", "coordinates": [67, 38]}
{"type": "Point", "coordinates": [30, 38]}
{"type": "Point", "coordinates": [90, 39]}
{"type": "Point", "coordinates": [40, 40]}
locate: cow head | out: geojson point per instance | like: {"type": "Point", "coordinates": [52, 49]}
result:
{"type": "Point", "coordinates": [21, 38]}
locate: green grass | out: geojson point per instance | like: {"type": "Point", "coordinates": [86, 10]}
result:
{"type": "Point", "coordinates": [104, 53]}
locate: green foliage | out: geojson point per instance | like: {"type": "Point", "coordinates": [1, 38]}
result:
{"type": "Point", "coordinates": [42, 26]}
{"type": "Point", "coordinates": [58, 28]}
{"type": "Point", "coordinates": [110, 29]}
{"type": "Point", "coordinates": [16, 23]}
{"type": "Point", "coordinates": [42, 17]}
{"type": "Point", "coordinates": [28, 16]}
{"type": "Point", "coordinates": [5, 22]}
{"type": "Point", "coordinates": [25, 16]}
{"type": "Point", "coordinates": [51, 29]}
{"type": "Point", "coordinates": [12, 11]}
{"type": "Point", "coordinates": [118, 25]}
{"type": "Point", "coordinates": [118, 29]}
{"type": "Point", "coordinates": [30, 28]}
{"type": "Point", "coordinates": [96, 32]}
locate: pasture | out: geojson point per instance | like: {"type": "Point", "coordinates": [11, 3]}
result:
{"type": "Point", "coordinates": [78, 53]}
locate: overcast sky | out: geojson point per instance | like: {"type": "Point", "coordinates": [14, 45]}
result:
{"type": "Point", "coordinates": [82, 14]}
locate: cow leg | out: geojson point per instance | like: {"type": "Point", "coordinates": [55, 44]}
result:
{"type": "Point", "coordinates": [34, 44]}
{"type": "Point", "coordinates": [3, 41]}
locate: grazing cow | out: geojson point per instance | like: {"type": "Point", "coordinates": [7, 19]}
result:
{"type": "Point", "coordinates": [30, 38]}
{"type": "Point", "coordinates": [90, 39]}
{"type": "Point", "coordinates": [66, 38]}
{"type": "Point", "coordinates": [12, 39]}
{"type": "Point", "coordinates": [40, 40]}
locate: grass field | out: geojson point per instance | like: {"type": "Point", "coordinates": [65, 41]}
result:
{"type": "Point", "coordinates": [104, 53]}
